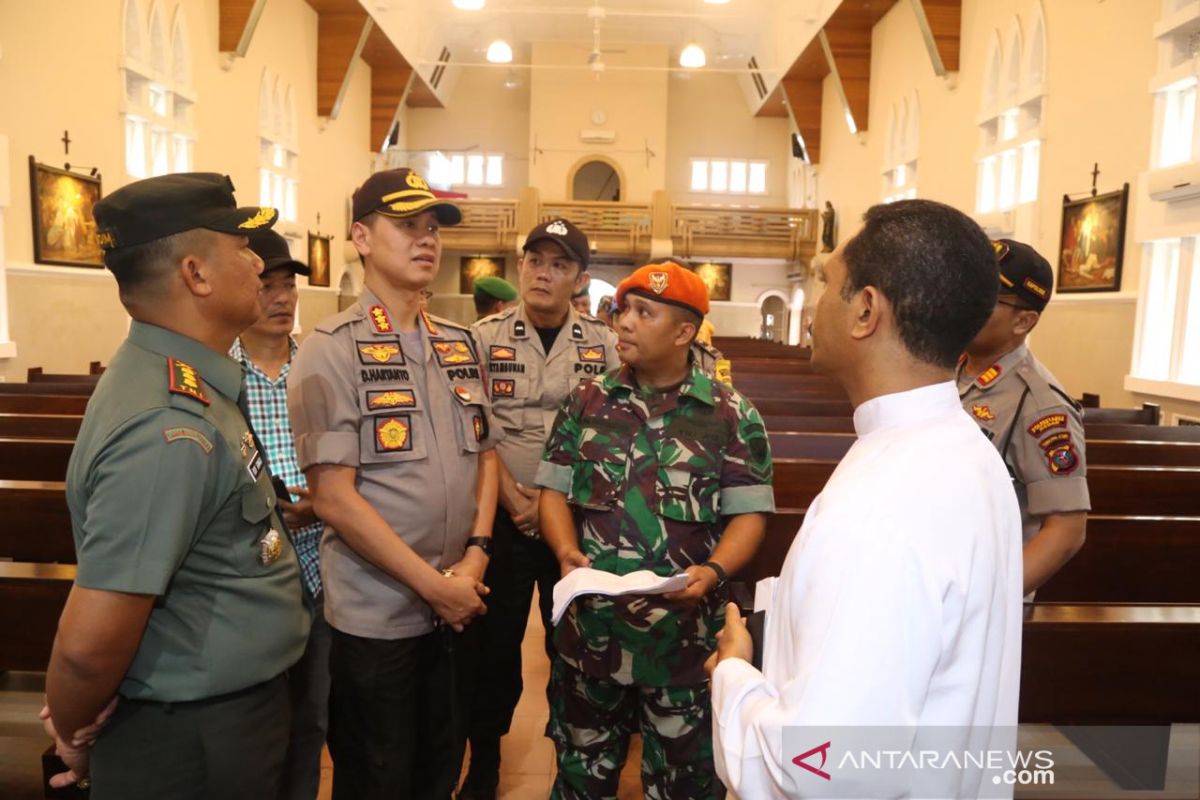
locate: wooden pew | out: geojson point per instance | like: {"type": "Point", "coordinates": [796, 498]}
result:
{"type": "Point", "coordinates": [40, 426]}
{"type": "Point", "coordinates": [73, 405]}
{"type": "Point", "coordinates": [37, 524]}
{"type": "Point", "coordinates": [1148, 414]}
{"type": "Point", "coordinates": [57, 387]}
{"type": "Point", "coordinates": [800, 424]}
{"type": "Point", "coordinates": [775, 406]}
{"type": "Point", "coordinates": [38, 375]}
{"type": "Point", "coordinates": [35, 459]}
{"type": "Point", "coordinates": [32, 597]}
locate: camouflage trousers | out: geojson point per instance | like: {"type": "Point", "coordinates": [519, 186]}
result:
{"type": "Point", "coordinates": [591, 720]}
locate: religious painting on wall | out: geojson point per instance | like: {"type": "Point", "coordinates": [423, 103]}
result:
{"type": "Point", "coordinates": [1093, 243]}
{"type": "Point", "coordinates": [64, 230]}
{"type": "Point", "coordinates": [318, 259]}
{"type": "Point", "coordinates": [718, 277]}
{"type": "Point", "coordinates": [475, 267]}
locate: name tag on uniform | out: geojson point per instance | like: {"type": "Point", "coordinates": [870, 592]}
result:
{"type": "Point", "coordinates": [255, 467]}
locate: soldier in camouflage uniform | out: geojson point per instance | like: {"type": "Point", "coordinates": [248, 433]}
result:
{"type": "Point", "coordinates": [653, 466]}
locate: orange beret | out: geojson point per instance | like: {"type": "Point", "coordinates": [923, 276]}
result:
{"type": "Point", "coordinates": [666, 282]}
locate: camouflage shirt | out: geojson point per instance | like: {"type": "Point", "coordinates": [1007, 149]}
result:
{"type": "Point", "coordinates": [650, 477]}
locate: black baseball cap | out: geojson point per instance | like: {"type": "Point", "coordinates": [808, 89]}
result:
{"type": "Point", "coordinates": [155, 208]}
{"type": "Point", "coordinates": [274, 251]}
{"type": "Point", "coordinates": [1024, 273]}
{"type": "Point", "coordinates": [401, 193]}
{"type": "Point", "coordinates": [563, 233]}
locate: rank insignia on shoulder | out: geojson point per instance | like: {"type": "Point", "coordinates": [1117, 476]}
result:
{"type": "Point", "coordinates": [392, 434]}
{"type": "Point", "coordinates": [392, 398]}
{"type": "Point", "coordinates": [185, 380]}
{"type": "Point", "coordinates": [988, 376]}
{"type": "Point", "coordinates": [504, 388]}
{"type": "Point", "coordinates": [270, 548]}
{"type": "Point", "coordinates": [429, 326]}
{"type": "Point", "coordinates": [1063, 460]}
{"type": "Point", "coordinates": [188, 434]}
{"type": "Point", "coordinates": [982, 412]}
{"type": "Point", "coordinates": [519, 328]}
{"type": "Point", "coordinates": [593, 354]}
{"type": "Point", "coordinates": [1046, 423]}
{"type": "Point", "coordinates": [723, 371]}
{"type": "Point", "coordinates": [499, 352]}
{"type": "Point", "coordinates": [380, 353]}
{"type": "Point", "coordinates": [380, 319]}
{"type": "Point", "coordinates": [576, 331]}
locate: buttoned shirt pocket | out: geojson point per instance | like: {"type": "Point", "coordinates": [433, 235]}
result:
{"type": "Point", "coordinates": [688, 491]}
{"type": "Point", "coordinates": [255, 541]}
{"type": "Point", "coordinates": [509, 394]}
{"type": "Point", "coordinates": [389, 429]}
{"type": "Point", "coordinates": [472, 419]}
{"type": "Point", "coordinates": [600, 469]}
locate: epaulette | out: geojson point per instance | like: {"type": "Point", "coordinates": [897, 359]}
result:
{"type": "Point", "coordinates": [331, 324]}
{"type": "Point", "coordinates": [497, 317]}
{"type": "Point", "coordinates": [432, 323]}
{"type": "Point", "coordinates": [183, 379]}
{"type": "Point", "coordinates": [1044, 393]}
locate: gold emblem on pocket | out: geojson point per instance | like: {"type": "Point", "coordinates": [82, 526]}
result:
{"type": "Point", "coordinates": [270, 548]}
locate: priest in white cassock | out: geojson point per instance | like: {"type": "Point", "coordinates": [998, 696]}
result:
{"type": "Point", "coordinates": [899, 602]}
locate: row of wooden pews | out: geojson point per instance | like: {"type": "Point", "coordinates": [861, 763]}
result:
{"type": "Point", "coordinates": [1114, 637]}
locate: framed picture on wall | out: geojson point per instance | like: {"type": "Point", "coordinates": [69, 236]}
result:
{"type": "Point", "coordinates": [318, 259]}
{"type": "Point", "coordinates": [474, 267]}
{"type": "Point", "coordinates": [64, 230]}
{"type": "Point", "coordinates": [718, 277]}
{"type": "Point", "coordinates": [1092, 245]}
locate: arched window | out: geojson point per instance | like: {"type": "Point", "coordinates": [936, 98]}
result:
{"type": "Point", "coordinates": [1008, 165]}
{"type": "Point", "coordinates": [900, 167]}
{"type": "Point", "coordinates": [279, 152]}
{"type": "Point", "coordinates": [158, 98]}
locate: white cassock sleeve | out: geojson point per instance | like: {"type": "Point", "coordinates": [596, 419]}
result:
{"type": "Point", "coordinates": [853, 639]}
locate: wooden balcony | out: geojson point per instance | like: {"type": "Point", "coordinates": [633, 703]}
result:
{"type": "Point", "coordinates": [628, 229]}
{"type": "Point", "coordinates": [788, 233]}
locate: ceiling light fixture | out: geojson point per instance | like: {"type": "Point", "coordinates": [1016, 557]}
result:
{"type": "Point", "coordinates": [692, 57]}
{"type": "Point", "coordinates": [469, 5]}
{"type": "Point", "coordinates": [499, 52]}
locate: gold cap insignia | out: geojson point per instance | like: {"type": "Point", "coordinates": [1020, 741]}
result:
{"type": "Point", "coordinates": [658, 282]}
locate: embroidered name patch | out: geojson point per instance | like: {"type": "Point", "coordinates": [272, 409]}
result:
{"type": "Point", "coordinates": [1048, 422]}
{"type": "Point", "coordinates": [1055, 441]}
{"type": "Point", "coordinates": [256, 465]}
{"type": "Point", "coordinates": [188, 434]}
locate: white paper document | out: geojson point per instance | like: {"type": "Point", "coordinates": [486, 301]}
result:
{"type": "Point", "coordinates": [585, 580]}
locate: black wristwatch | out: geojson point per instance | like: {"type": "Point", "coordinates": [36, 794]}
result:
{"type": "Point", "coordinates": [722, 578]}
{"type": "Point", "coordinates": [484, 543]}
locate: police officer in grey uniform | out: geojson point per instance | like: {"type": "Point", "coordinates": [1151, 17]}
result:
{"type": "Point", "coordinates": [395, 435]}
{"type": "Point", "coordinates": [1023, 410]}
{"type": "Point", "coordinates": [537, 353]}
{"type": "Point", "coordinates": [187, 601]}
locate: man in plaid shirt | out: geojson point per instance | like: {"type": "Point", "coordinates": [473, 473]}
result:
{"type": "Point", "coordinates": [265, 351]}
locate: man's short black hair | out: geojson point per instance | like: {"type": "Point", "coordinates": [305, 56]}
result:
{"type": "Point", "coordinates": [139, 267]}
{"type": "Point", "coordinates": [935, 266]}
{"type": "Point", "coordinates": [485, 302]}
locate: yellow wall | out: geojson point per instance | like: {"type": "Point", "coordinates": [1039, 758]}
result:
{"type": "Point", "coordinates": [1100, 57]}
{"type": "Point", "coordinates": [62, 318]}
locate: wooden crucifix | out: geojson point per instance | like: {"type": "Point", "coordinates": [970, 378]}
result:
{"type": "Point", "coordinates": [1095, 175]}
{"type": "Point", "coordinates": [66, 140]}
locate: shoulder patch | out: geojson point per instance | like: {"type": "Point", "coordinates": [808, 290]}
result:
{"type": "Point", "coordinates": [183, 433]}
{"type": "Point", "coordinates": [1047, 423]}
{"type": "Point", "coordinates": [1062, 460]}
{"type": "Point", "coordinates": [497, 317]}
{"type": "Point", "coordinates": [432, 323]}
{"type": "Point", "coordinates": [185, 380]}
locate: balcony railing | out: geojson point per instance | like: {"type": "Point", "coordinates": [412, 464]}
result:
{"type": "Point", "coordinates": [696, 228]}
{"type": "Point", "coordinates": [605, 222]}
{"type": "Point", "coordinates": [488, 219]}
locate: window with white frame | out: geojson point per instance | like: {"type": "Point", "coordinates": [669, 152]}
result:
{"type": "Point", "coordinates": [466, 169]}
{"type": "Point", "coordinates": [158, 102]}
{"type": "Point", "coordinates": [900, 152]}
{"type": "Point", "coordinates": [728, 176]}
{"type": "Point", "coordinates": [1008, 163]}
{"type": "Point", "coordinates": [1168, 341]}
{"type": "Point", "coordinates": [278, 151]}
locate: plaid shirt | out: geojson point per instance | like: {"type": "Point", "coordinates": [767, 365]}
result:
{"type": "Point", "coordinates": [267, 400]}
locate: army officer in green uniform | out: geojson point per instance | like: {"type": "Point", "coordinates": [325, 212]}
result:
{"type": "Point", "coordinates": [187, 602]}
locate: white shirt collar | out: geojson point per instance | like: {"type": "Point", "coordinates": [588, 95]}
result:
{"type": "Point", "coordinates": [906, 408]}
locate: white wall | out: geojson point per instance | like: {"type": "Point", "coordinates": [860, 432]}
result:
{"type": "Point", "coordinates": [62, 318]}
